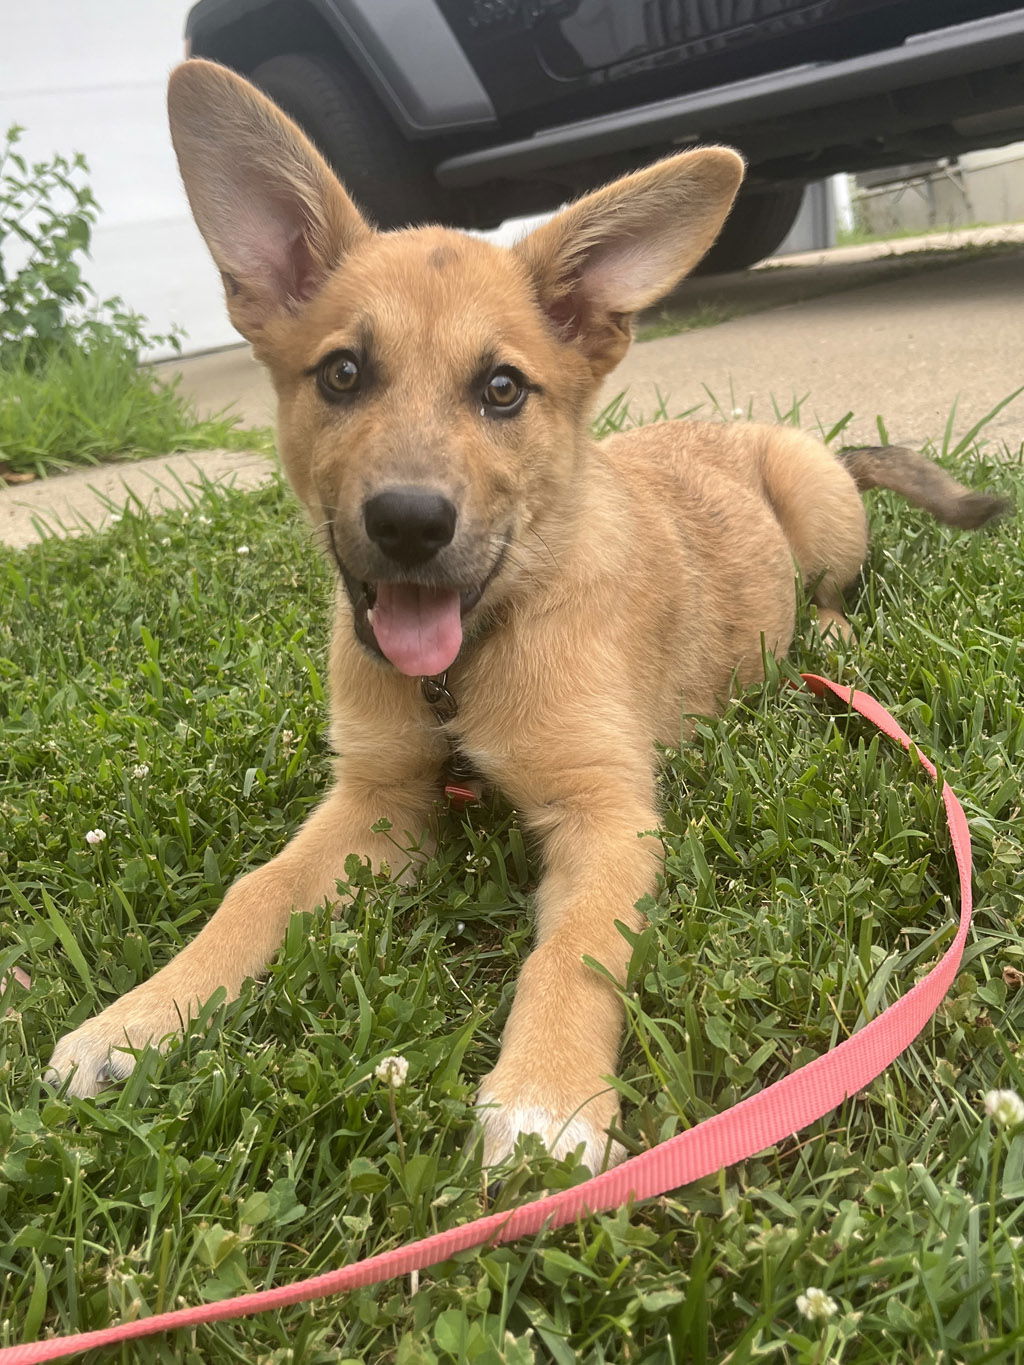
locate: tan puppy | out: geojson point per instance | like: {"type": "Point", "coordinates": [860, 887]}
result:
{"type": "Point", "coordinates": [434, 397]}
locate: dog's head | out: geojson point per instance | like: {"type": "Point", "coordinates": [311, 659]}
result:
{"type": "Point", "coordinates": [434, 390]}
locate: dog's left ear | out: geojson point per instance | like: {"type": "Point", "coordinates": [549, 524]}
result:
{"type": "Point", "coordinates": [624, 247]}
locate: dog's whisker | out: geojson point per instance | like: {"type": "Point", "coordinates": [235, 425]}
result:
{"type": "Point", "coordinates": [547, 548]}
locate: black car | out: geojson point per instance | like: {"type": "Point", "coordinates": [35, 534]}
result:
{"type": "Point", "coordinates": [472, 111]}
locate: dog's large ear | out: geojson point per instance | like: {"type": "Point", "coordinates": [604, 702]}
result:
{"type": "Point", "coordinates": [274, 216]}
{"type": "Point", "coordinates": [625, 246]}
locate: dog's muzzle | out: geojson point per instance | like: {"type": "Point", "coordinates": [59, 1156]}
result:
{"type": "Point", "coordinates": [417, 626]}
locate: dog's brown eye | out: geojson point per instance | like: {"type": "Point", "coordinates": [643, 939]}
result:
{"type": "Point", "coordinates": [505, 391]}
{"type": "Point", "coordinates": [338, 375]}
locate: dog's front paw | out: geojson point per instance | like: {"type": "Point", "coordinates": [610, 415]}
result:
{"type": "Point", "coordinates": [94, 1055]}
{"type": "Point", "coordinates": [564, 1119]}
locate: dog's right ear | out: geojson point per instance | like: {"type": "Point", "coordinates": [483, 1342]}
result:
{"type": "Point", "coordinates": [274, 215]}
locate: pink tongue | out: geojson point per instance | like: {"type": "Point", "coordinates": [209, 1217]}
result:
{"type": "Point", "coordinates": [418, 629]}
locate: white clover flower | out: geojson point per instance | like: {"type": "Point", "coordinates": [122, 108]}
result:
{"type": "Point", "coordinates": [393, 1071]}
{"type": "Point", "coordinates": [287, 739]}
{"type": "Point", "coordinates": [243, 550]}
{"type": "Point", "coordinates": [166, 540]}
{"type": "Point", "coordinates": [817, 1305]}
{"type": "Point", "coordinates": [1004, 1107]}
{"type": "Point", "coordinates": [140, 771]}
{"type": "Point", "coordinates": [204, 521]}
{"type": "Point", "coordinates": [95, 836]}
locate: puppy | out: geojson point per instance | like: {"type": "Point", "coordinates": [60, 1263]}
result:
{"type": "Point", "coordinates": [569, 601]}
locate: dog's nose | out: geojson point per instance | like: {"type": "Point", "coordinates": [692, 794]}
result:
{"type": "Point", "coordinates": [409, 524]}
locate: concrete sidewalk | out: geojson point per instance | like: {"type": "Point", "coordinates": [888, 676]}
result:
{"type": "Point", "coordinates": [87, 499]}
{"type": "Point", "coordinates": [876, 330]}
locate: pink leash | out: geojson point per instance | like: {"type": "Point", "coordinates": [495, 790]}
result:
{"type": "Point", "coordinates": [750, 1126]}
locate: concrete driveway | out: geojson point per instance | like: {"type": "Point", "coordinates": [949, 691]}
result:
{"type": "Point", "coordinates": [903, 347]}
{"type": "Point", "coordinates": [876, 330]}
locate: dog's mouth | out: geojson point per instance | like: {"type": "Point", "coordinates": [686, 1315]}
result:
{"type": "Point", "coordinates": [417, 627]}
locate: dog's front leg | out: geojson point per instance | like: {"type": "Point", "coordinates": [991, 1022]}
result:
{"type": "Point", "coordinates": [248, 927]}
{"type": "Point", "coordinates": [562, 1037]}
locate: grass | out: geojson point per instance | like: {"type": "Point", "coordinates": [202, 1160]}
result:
{"type": "Point", "coordinates": [807, 884]}
{"type": "Point", "coordinates": [668, 321]}
{"type": "Point", "coordinates": [861, 235]}
{"type": "Point", "coordinates": [93, 403]}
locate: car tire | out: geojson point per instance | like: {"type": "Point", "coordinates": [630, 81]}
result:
{"type": "Point", "coordinates": [758, 223]}
{"type": "Point", "coordinates": [389, 178]}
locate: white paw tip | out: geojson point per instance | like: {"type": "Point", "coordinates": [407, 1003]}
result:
{"type": "Point", "coordinates": [504, 1124]}
{"type": "Point", "coordinates": [87, 1072]}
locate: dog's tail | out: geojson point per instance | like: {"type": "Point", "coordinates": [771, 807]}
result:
{"type": "Point", "coordinates": [921, 482]}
